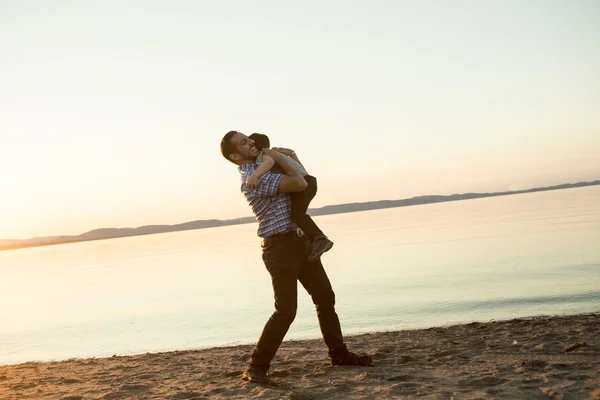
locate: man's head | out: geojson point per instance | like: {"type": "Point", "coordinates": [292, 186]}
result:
{"type": "Point", "coordinates": [260, 141]}
{"type": "Point", "coordinates": [238, 148]}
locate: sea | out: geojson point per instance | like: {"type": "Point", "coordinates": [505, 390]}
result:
{"type": "Point", "coordinates": [400, 268]}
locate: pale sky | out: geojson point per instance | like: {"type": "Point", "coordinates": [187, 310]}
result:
{"type": "Point", "coordinates": [111, 112]}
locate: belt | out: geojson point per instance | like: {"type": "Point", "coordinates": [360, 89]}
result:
{"type": "Point", "coordinates": [296, 233]}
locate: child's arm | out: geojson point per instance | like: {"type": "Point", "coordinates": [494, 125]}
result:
{"type": "Point", "coordinates": [288, 152]}
{"type": "Point", "coordinates": [263, 168]}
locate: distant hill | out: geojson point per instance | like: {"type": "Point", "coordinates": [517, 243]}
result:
{"type": "Point", "coordinates": [109, 233]}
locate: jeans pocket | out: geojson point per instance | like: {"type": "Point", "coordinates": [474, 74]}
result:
{"type": "Point", "coordinates": [270, 254]}
{"type": "Point", "coordinates": [283, 255]}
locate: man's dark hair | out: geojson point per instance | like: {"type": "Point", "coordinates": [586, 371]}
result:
{"type": "Point", "coordinates": [260, 141]}
{"type": "Point", "coordinates": [227, 148]}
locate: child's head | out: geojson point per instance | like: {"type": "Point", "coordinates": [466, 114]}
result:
{"type": "Point", "coordinates": [260, 141]}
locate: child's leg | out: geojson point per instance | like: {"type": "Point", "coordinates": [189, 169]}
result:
{"type": "Point", "coordinates": [300, 202]}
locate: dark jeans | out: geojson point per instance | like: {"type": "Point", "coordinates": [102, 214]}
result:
{"type": "Point", "coordinates": [300, 202]}
{"type": "Point", "coordinates": [286, 259]}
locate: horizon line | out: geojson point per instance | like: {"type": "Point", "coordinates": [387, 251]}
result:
{"type": "Point", "coordinates": [13, 244]}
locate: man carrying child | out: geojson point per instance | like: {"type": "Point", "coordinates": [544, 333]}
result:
{"type": "Point", "coordinates": [300, 200]}
{"type": "Point", "coordinates": [286, 252]}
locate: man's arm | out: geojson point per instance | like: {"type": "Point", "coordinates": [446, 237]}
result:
{"type": "Point", "coordinates": [292, 180]}
{"type": "Point", "coordinates": [263, 168]}
{"type": "Point", "coordinates": [288, 152]}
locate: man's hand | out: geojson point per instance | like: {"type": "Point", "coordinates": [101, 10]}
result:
{"type": "Point", "coordinates": [252, 181]}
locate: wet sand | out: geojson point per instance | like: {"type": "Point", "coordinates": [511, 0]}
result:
{"type": "Point", "coordinates": [535, 358]}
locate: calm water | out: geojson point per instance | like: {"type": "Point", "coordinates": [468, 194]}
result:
{"type": "Point", "coordinates": [411, 267]}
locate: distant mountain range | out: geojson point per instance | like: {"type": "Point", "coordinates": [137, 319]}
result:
{"type": "Point", "coordinates": [109, 233]}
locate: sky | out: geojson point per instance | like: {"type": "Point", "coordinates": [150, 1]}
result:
{"type": "Point", "coordinates": [111, 112]}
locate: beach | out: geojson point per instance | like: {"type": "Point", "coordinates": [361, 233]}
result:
{"type": "Point", "coordinates": [534, 358]}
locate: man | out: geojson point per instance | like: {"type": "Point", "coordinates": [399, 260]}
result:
{"type": "Point", "coordinates": [286, 255]}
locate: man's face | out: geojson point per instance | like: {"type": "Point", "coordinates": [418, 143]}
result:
{"type": "Point", "coordinates": [245, 150]}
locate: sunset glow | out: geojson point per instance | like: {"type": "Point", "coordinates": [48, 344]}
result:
{"type": "Point", "coordinates": [111, 112]}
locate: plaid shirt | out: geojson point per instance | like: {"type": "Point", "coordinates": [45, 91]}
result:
{"type": "Point", "coordinates": [271, 208]}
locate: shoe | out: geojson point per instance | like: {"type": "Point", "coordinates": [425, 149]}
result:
{"type": "Point", "coordinates": [256, 375]}
{"type": "Point", "coordinates": [320, 246]}
{"type": "Point", "coordinates": [353, 359]}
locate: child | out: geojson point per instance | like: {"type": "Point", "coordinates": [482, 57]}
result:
{"type": "Point", "coordinates": [300, 200]}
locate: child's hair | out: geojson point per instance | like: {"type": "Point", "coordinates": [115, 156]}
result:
{"type": "Point", "coordinates": [260, 141]}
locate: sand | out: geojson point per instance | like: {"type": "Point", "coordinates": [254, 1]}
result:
{"type": "Point", "coordinates": [534, 358]}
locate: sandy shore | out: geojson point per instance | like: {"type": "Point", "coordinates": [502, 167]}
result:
{"type": "Point", "coordinates": [536, 358]}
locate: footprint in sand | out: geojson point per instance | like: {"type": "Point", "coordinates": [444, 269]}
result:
{"type": "Point", "coordinates": [134, 387]}
{"type": "Point", "coordinates": [233, 373]}
{"type": "Point", "coordinates": [385, 351]}
{"type": "Point", "coordinates": [280, 373]}
{"type": "Point", "coordinates": [22, 385]}
{"type": "Point", "coordinates": [122, 367]}
{"type": "Point", "coordinates": [115, 395]}
{"type": "Point", "coordinates": [316, 365]}
{"type": "Point", "coordinates": [441, 357]}
{"type": "Point", "coordinates": [404, 388]}
{"type": "Point", "coordinates": [103, 378]}
{"type": "Point", "coordinates": [481, 382]}
{"type": "Point", "coordinates": [69, 381]}
{"type": "Point", "coordinates": [532, 365]}
{"type": "Point", "coordinates": [241, 357]}
{"type": "Point", "coordinates": [529, 387]}
{"type": "Point", "coordinates": [578, 377]}
{"type": "Point", "coordinates": [308, 395]}
{"type": "Point", "coordinates": [146, 376]}
{"type": "Point", "coordinates": [575, 346]}
{"type": "Point", "coordinates": [400, 378]}
{"type": "Point", "coordinates": [317, 372]}
{"type": "Point", "coordinates": [404, 360]}
{"type": "Point", "coordinates": [186, 395]}
{"type": "Point", "coordinates": [560, 376]}
{"type": "Point", "coordinates": [301, 353]}
{"type": "Point", "coordinates": [533, 381]}
{"type": "Point", "coordinates": [553, 393]}
{"type": "Point", "coordinates": [360, 377]}
{"type": "Point", "coordinates": [440, 354]}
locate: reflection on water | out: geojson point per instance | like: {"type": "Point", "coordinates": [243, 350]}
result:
{"type": "Point", "coordinates": [398, 268]}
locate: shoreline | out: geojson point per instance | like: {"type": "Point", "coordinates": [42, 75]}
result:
{"type": "Point", "coordinates": [333, 210]}
{"type": "Point", "coordinates": [535, 357]}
